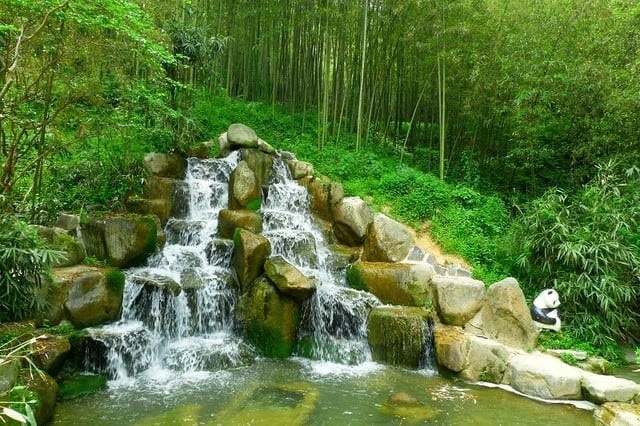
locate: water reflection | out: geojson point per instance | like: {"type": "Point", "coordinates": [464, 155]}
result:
{"type": "Point", "coordinates": [305, 392]}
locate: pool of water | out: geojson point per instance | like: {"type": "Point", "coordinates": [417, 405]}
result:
{"type": "Point", "coordinates": [301, 392]}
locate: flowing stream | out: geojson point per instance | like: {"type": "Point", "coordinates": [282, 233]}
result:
{"type": "Point", "coordinates": [176, 357]}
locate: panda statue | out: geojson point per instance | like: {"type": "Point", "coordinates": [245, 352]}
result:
{"type": "Point", "coordinates": [544, 310]}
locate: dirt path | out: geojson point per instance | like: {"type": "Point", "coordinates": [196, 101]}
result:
{"type": "Point", "coordinates": [426, 243]}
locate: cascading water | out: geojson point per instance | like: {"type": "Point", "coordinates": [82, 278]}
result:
{"type": "Point", "coordinates": [178, 312]}
{"type": "Point", "coordinates": [333, 326]}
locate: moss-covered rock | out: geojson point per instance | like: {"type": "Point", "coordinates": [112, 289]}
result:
{"type": "Point", "coordinates": [269, 319]}
{"type": "Point", "coordinates": [120, 240]}
{"type": "Point", "coordinates": [89, 295]}
{"type": "Point", "coordinates": [79, 385]}
{"type": "Point", "coordinates": [398, 335]}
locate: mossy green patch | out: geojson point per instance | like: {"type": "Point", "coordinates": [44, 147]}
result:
{"type": "Point", "coordinates": [255, 204]}
{"type": "Point", "coordinates": [115, 280]}
{"type": "Point", "coordinates": [271, 342]}
{"type": "Point", "coordinates": [80, 385]}
{"type": "Point", "coordinates": [354, 278]}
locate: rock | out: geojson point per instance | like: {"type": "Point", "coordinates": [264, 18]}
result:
{"type": "Point", "coordinates": [269, 319]}
{"type": "Point", "coordinates": [599, 389]}
{"type": "Point", "coordinates": [265, 147]}
{"type": "Point", "coordinates": [121, 240]}
{"type": "Point", "coordinates": [473, 358]}
{"type": "Point", "coordinates": [403, 399]}
{"type": "Point", "coordinates": [244, 189]}
{"type": "Point", "coordinates": [224, 144]}
{"type": "Point", "coordinates": [229, 220]}
{"type": "Point", "coordinates": [94, 296]}
{"type": "Point", "coordinates": [505, 316]}
{"type": "Point", "coordinates": [219, 251]}
{"type": "Point", "coordinates": [351, 219]}
{"type": "Point", "coordinates": [165, 165]}
{"type": "Point", "coordinates": [49, 352]}
{"type": "Point", "coordinates": [300, 169]}
{"type": "Point", "coordinates": [398, 334]}
{"type": "Point", "coordinates": [451, 345]}
{"type": "Point", "coordinates": [617, 414]}
{"type": "Point", "coordinates": [393, 283]}
{"type": "Point", "coordinates": [73, 251]}
{"type": "Point", "coordinates": [69, 222]}
{"type": "Point", "coordinates": [545, 376]}
{"type": "Point", "coordinates": [459, 298]}
{"type": "Point", "coordinates": [386, 240]}
{"type": "Point", "coordinates": [156, 282]}
{"type": "Point", "coordinates": [9, 373]}
{"type": "Point", "coordinates": [261, 165]}
{"type": "Point", "coordinates": [241, 136]}
{"type": "Point", "coordinates": [47, 390]}
{"type": "Point", "coordinates": [164, 198]}
{"type": "Point", "coordinates": [578, 355]}
{"type": "Point", "coordinates": [596, 364]}
{"type": "Point", "coordinates": [249, 254]}
{"type": "Point", "coordinates": [288, 279]}
{"type": "Point", "coordinates": [200, 150]}
{"type": "Point", "coordinates": [324, 197]}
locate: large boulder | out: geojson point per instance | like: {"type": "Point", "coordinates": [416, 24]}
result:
{"type": "Point", "coordinates": [398, 335]}
{"type": "Point", "coordinates": [121, 240]}
{"type": "Point", "coordinates": [394, 283]}
{"type": "Point", "coordinates": [249, 254]}
{"type": "Point", "coordinates": [459, 298]}
{"type": "Point", "coordinates": [244, 188]}
{"type": "Point", "coordinates": [505, 316]}
{"type": "Point", "coordinates": [600, 388]}
{"type": "Point", "coordinates": [472, 357]}
{"type": "Point", "coordinates": [269, 319]}
{"type": "Point", "coordinates": [241, 136]}
{"type": "Point", "coordinates": [165, 165]}
{"type": "Point", "coordinates": [288, 279]}
{"type": "Point", "coordinates": [387, 240]}
{"type": "Point", "coordinates": [229, 220]}
{"type": "Point", "coordinates": [324, 197]}
{"type": "Point", "coordinates": [351, 219]}
{"type": "Point", "coordinates": [94, 294]}
{"type": "Point", "coordinates": [545, 376]}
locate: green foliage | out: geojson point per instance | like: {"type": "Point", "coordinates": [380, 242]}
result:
{"type": "Point", "coordinates": [585, 246]}
{"type": "Point", "coordinates": [569, 359]}
{"type": "Point", "coordinates": [21, 401]}
{"type": "Point", "coordinates": [24, 259]}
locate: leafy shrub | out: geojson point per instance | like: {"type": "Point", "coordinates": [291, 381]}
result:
{"type": "Point", "coordinates": [24, 259]}
{"type": "Point", "coordinates": [585, 245]}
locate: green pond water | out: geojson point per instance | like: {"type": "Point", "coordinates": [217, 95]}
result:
{"type": "Point", "coordinates": [300, 392]}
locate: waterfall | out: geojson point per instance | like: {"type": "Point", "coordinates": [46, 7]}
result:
{"type": "Point", "coordinates": [178, 311]}
{"type": "Point", "coordinates": [334, 320]}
